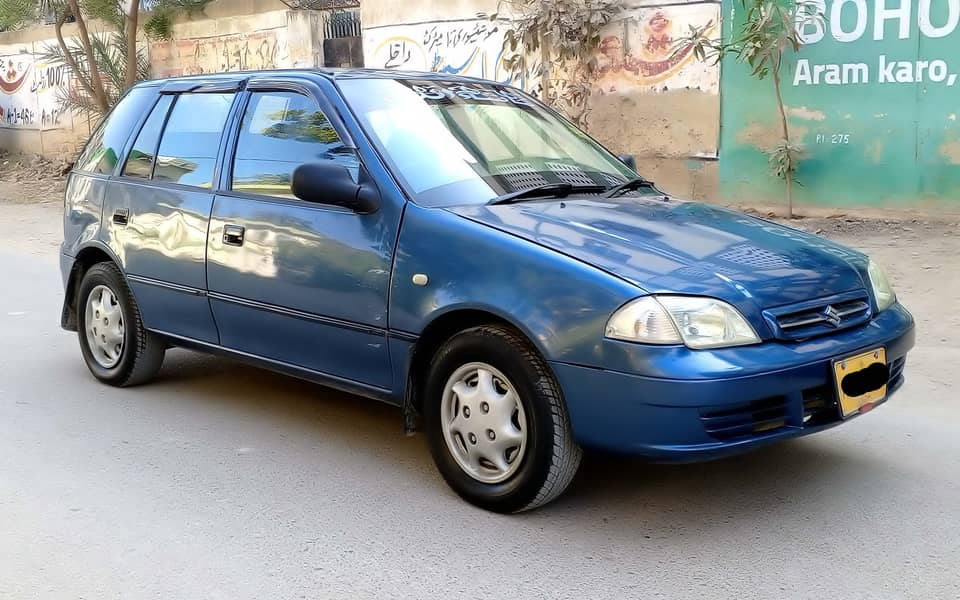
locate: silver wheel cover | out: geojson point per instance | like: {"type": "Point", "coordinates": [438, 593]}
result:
{"type": "Point", "coordinates": [104, 326]}
{"type": "Point", "coordinates": [483, 422]}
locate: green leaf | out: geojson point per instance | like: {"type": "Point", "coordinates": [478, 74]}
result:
{"type": "Point", "coordinates": [15, 14]}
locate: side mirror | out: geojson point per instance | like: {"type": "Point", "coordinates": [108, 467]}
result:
{"type": "Point", "coordinates": [329, 182]}
{"type": "Point", "coordinates": [628, 160]}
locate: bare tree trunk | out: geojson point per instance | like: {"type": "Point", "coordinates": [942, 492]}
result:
{"type": "Point", "coordinates": [786, 139]}
{"type": "Point", "coordinates": [96, 82]}
{"type": "Point", "coordinates": [130, 75]}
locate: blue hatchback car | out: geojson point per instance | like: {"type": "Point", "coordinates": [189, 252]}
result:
{"type": "Point", "coordinates": [456, 248]}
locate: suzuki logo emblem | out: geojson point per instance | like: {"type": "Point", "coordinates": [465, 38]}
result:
{"type": "Point", "coordinates": [832, 316]}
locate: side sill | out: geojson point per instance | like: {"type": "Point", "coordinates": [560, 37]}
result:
{"type": "Point", "coordinates": [338, 383]}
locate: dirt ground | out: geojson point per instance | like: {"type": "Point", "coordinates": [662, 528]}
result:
{"type": "Point", "coordinates": [30, 179]}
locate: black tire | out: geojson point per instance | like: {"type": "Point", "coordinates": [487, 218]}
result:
{"type": "Point", "coordinates": [552, 456]}
{"type": "Point", "coordinates": [142, 353]}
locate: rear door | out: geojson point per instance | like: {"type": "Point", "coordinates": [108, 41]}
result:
{"type": "Point", "coordinates": [300, 283]}
{"type": "Point", "coordinates": [157, 209]}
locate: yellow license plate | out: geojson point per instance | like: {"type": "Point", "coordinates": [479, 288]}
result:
{"type": "Point", "coordinates": [861, 381]}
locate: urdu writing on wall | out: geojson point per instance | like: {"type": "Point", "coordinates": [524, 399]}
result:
{"type": "Point", "coordinates": [30, 92]}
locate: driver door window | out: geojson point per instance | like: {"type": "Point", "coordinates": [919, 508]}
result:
{"type": "Point", "coordinates": [280, 131]}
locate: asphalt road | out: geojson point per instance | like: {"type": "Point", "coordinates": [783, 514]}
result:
{"type": "Point", "coordinates": [223, 481]}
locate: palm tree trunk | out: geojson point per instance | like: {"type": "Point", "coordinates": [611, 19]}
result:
{"type": "Point", "coordinates": [130, 75]}
{"type": "Point", "coordinates": [68, 56]}
{"type": "Point", "coordinates": [96, 82]}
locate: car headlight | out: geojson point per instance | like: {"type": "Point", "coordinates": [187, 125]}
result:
{"type": "Point", "coordinates": [695, 321]}
{"type": "Point", "coordinates": [882, 290]}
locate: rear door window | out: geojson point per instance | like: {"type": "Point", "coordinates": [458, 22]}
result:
{"type": "Point", "coordinates": [102, 152]}
{"type": "Point", "coordinates": [281, 131]}
{"type": "Point", "coordinates": [140, 159]}
{"type": "Point", "coordinates": [191, 140]}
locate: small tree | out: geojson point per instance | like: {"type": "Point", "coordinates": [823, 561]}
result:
{"type": "Point", "coordinates": [556, 41]}
{"type": "Point", "coordinates": [106, 64]}
{"type": "Point", "coordinates": [770, 31]}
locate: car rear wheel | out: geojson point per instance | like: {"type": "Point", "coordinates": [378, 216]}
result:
{"type": "Point", "coordinates": [115, 345]}
{"type": "Point", "coordinates": [498, 427]}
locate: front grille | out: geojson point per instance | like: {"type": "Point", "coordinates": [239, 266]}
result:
{"type": "Point", "coordinates": [819, 317]}
{"type": "Point", "coordinates": [819, 406]}
{"type": "Point", "coordinates": [759, 416]}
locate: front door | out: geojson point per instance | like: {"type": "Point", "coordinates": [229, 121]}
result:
{"type": "Point", "coordinates": [300, 283]}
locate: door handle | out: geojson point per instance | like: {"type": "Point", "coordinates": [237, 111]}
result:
{"type": "Point", "coordinates": [121, 216]}
{"type": "Point", "coordinates": [233, 235]}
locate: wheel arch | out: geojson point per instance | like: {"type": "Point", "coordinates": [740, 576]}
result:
{"type": "Point", "coordinates": [438, 330]}
{"type": "Point", "coordinates": [86, 257]}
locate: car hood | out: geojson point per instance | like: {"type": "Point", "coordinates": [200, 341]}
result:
{"type": "Point", "coordinates": [669, 246]}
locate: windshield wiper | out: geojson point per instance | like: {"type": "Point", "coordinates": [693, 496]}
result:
{"type": "Point", "coordinates": [546, 190]}
{"type": "Point", "coordinates": [633, 184]}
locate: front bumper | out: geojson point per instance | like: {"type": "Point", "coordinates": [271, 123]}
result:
{"type": "Point", "coordinates": [683, 415]}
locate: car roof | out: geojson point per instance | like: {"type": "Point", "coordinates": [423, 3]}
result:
{"type": "Point", "coordinates": [326, 73]}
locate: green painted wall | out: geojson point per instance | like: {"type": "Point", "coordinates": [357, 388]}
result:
{"type": "Point", "coordinates": [869, 138]}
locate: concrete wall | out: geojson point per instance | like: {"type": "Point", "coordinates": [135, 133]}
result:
{"type": "Point", "coordinates": [228, 35]}
{"type": "Point", "coordinates": [872, 100]}
{"type": "Point", "coordinates": [30, 117]}
{"type": "Point", "coordinates": [662, 107]}
{"type": "Point", "coordinates": [656, 101]}
{"type": "Point", "coordinates": [239, 36]}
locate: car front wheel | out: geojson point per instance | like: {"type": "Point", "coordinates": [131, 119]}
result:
{"type": "Point", "coordinates": [117, 348]}
{"type": "Point", "coordinates": [498, 427]}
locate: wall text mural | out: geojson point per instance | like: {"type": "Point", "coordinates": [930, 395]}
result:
{"type": "Point", "coordinates": [640, 50]}
{"type": "Point", "coordinates": [235, 52]}
{"type": "Point", "coordinates": [30, 89]}
{"type": "Point", "coordinates": [637, 49]}
{"type": "Point", "coordinates": [471, 47]}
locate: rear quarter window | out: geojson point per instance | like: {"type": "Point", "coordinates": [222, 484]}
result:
{"type": "Point", "coordinates": [140, 159]}
{"type": "Point", "coordinates": [103, 150]}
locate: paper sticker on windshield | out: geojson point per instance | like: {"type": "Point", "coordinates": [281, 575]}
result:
{"type": "Point", "coordinates": [436, 92]}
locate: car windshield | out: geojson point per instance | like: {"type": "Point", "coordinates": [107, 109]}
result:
{"type": "Point", "coordinates": [456, 143]}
